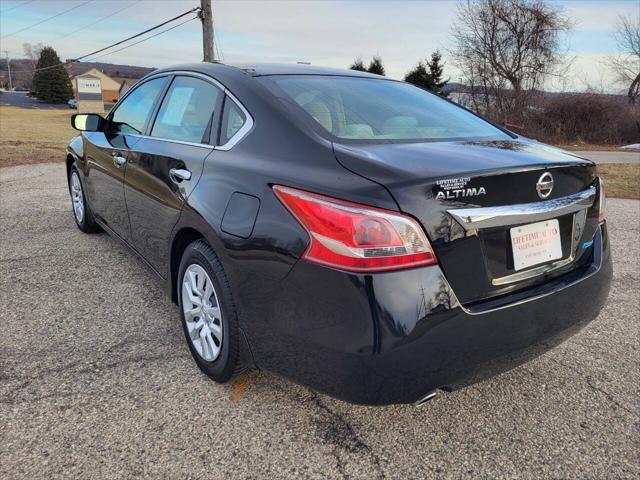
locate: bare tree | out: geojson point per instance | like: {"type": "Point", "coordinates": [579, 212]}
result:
{"type": "Point", "coordinates": [506, 49]}
{"type": "Point", "coordinates": [24, 76]}
{"type": "Point", "coordinates": [626, 64]}
{"type": "Point", "coordinates": [32, 52]}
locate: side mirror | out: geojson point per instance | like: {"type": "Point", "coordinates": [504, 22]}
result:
{"type": "Point", "coordinates": [87, 122]}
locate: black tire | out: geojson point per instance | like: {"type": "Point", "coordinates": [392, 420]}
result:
{"type": "Point", "coordinates": [88, 223]}
{"type": "Point", "coordinates": [227, 363]}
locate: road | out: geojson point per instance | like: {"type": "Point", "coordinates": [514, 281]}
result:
{"type": "Point", "coordinates": [96, 380]}
{"type": "Point", "coordinates": [611, 157]}
{"type": "Point", "coordinates": [20, 99]}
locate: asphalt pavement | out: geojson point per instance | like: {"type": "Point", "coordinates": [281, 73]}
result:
{"type": "Point", "coordinates": [610, 157]}
{"type": "Point", "coordinates": [20, 99]}
{"type": "Point", "coordinates": [96, 380]}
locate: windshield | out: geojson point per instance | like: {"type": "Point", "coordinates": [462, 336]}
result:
{"type": "Point", "coordinates": [370, 109]}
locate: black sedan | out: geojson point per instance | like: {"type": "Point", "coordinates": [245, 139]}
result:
{"type": "Point", "coordinates": [353, 233]}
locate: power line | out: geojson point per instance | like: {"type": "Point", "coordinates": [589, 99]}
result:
{"type": "Point", "coordinates": [16, 6]}
{"type": "Point", "coordinates": [125, 40]}
{"type": "Point", "coordinates": [216, 41]}
{"type": "Point", "coordinates": [41, 69]}
{"type": "Point", "coordinates": [143, 40]}
{"type": "Point", "coordinates": [93, 23]}
{"type": "Point", "coordinates": [46, 19]}
{"type": "Point", "coordinates": [137, 34]}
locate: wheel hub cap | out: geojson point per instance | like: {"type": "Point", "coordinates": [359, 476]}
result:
{"type": "Point", "coordinates": [202, 313]}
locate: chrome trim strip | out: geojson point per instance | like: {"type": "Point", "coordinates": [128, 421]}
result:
{"type": "Point", "coordinates": [171, 140]}
{"type": "Point", "coordinates": [534, 272]}
{"type": "Point", "coordinates": [187, 73]}
{"type": "Point", "coordinates": [486, 217]}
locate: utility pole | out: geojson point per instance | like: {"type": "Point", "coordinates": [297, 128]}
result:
{"type": "Point", "coordinates": [207, 30]}
{"type": "Point", "coordinates": [9, 69]}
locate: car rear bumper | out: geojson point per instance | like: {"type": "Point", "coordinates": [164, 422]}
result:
{"type": "Point", "coordinates": [395, 337]}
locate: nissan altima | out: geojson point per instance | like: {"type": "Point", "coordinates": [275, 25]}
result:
{"type": "Point", "coordinates": [353, 233]}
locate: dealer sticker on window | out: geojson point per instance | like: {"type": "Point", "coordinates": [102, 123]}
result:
{"type": "Point", "coordinates": [536, 243]}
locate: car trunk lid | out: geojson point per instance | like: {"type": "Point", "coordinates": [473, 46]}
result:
{"type": "Point", "coordinates": [449, 186]}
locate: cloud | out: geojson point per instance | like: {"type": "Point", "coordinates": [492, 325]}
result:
{"type": "Point", "coordinates": [323, 32]}
{"type": "Point", "coordinates": [599, 16]}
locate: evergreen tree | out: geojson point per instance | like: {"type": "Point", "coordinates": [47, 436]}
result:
{"type": "Point", "coordinates": [436, 68]}
{"type": "Point", "coordinates": [51, 84]}
{"type": "Point", "coordinates": [358, 65]}
{"type": "Point", "coordinates": [420, 77]}
{"type": "Point", "coordinates": [429, 75]}
{"type": "Point", "coordinates": [376, 66]}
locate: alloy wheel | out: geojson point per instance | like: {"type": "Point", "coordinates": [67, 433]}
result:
{"type": "Point", "coordinates": [77, 197]}
{"type": "Point", "coordinates": [202, 313]}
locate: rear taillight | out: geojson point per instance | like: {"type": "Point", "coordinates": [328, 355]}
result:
{"type": "Point", "coordinates": [602, 202]}
{"type": "Point", "coordinates": [356, 237]}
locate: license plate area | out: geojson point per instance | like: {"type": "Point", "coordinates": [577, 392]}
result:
{"type": "Point", "coordinates": [497, 250]}
{"type": "Point", "coordinates": [535, 243]}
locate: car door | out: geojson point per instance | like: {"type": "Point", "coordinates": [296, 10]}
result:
{"type": "Point", "coordinates": [165, 165]}
{"type": "Point", "coordinates": [106, 153]}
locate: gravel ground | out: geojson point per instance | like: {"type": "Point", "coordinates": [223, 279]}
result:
{"type": "Point", "coordinates": [96, 380]}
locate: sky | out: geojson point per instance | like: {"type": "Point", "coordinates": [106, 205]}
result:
{"type": "Point", "coordinates": [327, 33]}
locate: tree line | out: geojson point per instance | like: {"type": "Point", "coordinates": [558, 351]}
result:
{"type": "Point", "coordinates": [427, 74]}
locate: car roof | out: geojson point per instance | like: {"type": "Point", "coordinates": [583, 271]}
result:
{"type": "Point", "coordinates": [262, 69]}
{"type": "Point", "coordinates": [265, 69]}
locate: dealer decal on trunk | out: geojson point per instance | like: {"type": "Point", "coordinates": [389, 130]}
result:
{"type": "Point", "coordinates": [453, 188]}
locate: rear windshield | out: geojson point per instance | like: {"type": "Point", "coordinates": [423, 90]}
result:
{"type": "Point", "coordinates": [369, 109]}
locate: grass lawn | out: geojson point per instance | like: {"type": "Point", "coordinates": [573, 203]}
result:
{"type": "Point", "coordinates": [33, 135]}
{"type": "Point", "coordinates": [621, 180]}
{"type": "Point", "coordinates": [40, 136]}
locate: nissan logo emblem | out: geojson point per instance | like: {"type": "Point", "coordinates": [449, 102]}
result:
{"type": "Point", "coordinates": [544, 186]}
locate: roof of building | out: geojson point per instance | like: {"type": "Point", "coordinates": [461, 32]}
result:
{"type": "Point", "coordinates": [127, 83]}
{"type": "Point", "coordinates": [111, 69]}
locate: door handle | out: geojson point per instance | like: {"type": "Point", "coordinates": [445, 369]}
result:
{"type": "Point", "coordinates": [179, 174]}
{"type": "Point", "coordinates": [119, 160]}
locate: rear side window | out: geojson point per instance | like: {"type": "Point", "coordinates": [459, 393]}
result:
{"type": "Point", "coordinates": [132, 114]}
{"type": "Point", "coordinates": [232, 121]}
{"type": "Point", "coordinates": [187, 110]}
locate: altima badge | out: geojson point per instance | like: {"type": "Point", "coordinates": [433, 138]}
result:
{"type": "Point", "coordinates": [544, 187]}
{"type": "Point", "coordinates": [453, 188]}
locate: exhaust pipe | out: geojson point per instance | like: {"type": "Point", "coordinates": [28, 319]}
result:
{"type": "Point", "coordinates": [425, 399]}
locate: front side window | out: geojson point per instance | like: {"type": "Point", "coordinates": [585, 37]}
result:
{"type": "Point", "coordinates": [374, 110]}
{"type": "Point", "coordinates": [132, 114]}
{"type": "Point", "coordinates": [187, 110]}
